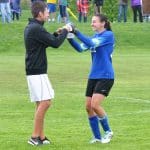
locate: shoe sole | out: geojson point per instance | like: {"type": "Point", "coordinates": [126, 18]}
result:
{"type": "Point", "coordinates": [31, 143]}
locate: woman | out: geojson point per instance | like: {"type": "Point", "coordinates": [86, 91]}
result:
{"type": "Point", "coordinates": [101, 77]}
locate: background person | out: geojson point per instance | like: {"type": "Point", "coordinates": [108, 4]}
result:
{"type": "Point", "coordinates": [59, 18]}
{"type": "Point", "coordinates": [83, 7]}
{"type": "Point", "coordinates": [16, 9]}
{"type": "Point", "coordinates": [98, 4]}
{"type": "Point", "coordinates": [52, 9]}
{"type": "Point", "coordinates": [122, 10]}
{"type": "Point", "coordinates": [101, 77]}
{"type": "Point", "coordinates": [137, 10]}
{"type": "Point", "coordinates": [62, 7]}
{"type": "Point", "coordinates": [5, 11]}
{"type": "Point", "coordinates": [37, 39]}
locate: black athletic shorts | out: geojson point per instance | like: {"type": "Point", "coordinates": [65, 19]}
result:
{"type": "Point", "coordinates": [100, 86]}
{"type": "Point", "coordinates": [99, 2]}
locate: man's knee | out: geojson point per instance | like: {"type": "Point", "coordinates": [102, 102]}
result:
{"type": "Point", "coordinates": [46, 103]}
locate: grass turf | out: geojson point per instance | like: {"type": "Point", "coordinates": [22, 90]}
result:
{"type": "Point", "coordinates": [66, 124]}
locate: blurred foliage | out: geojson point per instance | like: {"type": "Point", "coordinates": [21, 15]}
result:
{"type": "Point", "coordinates": [25, 4]}
{"type": "Point", "coordinates": [110, 7]}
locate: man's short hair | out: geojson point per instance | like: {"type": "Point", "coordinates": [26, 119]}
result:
{"type": "Point", "coordinates": [37, 6]}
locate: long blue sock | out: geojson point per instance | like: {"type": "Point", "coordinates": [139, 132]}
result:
{"type": "Point", "coordinates": [104, 123]}
{"type": "Point", "coordinates": [95, 127]}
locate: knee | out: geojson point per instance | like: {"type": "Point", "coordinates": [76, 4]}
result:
{"type": "Point", "coordinates": [47, 103]}
{"type": "Point", "coordinates": [88, 108]}
{"type": "Point", "coordinates": [94, 107]}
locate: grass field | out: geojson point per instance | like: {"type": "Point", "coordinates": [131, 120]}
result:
{"type": "Point", "coordinates": [66, 124]}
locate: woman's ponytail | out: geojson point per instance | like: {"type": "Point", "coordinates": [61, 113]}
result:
{"type": "Point", "coordinates": [107, 26]}
{"type": "Point", "coordinates": [103, 18]}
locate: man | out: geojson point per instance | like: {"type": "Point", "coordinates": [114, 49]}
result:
{"type": "Point", "coordinates": [37, 39]}
{"type": "Point", "coordinates": [122, 11]}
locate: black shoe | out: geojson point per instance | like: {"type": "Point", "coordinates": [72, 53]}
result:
{"type": "Point", "coordinates": [35, 141]}
{"type": "Point", "coordinates": [45, 141]}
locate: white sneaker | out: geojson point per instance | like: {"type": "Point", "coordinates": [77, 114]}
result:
{"type": "Point", "coordinates": [53, 20]}
{"type": "Point", "coordinates": [107, 137]}
{"type": "Point", "coordinates": [49, 20]}
{"type": "Point", "coordinates": [45, 141]}
{"type": "Point", "coordinates": [94, 140]}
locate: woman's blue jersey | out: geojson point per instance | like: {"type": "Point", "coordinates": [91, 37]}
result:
{"type": "Point", "coordinates": [101, 46]}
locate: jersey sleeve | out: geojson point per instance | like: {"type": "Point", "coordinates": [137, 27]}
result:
{"type": "Point", "coordinates": [94, 42]}
{"type": "Point", "coordinates": [79, 47]}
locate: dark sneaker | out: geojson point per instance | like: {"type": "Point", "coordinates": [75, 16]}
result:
{"type": "Point", "coordinates": [35, 141]}
{"type": "Point", "coordinates": [45, 141]}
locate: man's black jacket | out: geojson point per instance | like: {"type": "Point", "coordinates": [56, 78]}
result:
{"type": "Point", "coordinates": [37, 39]}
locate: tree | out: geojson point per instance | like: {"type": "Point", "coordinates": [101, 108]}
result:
{"type": "Point", "coordinates": [110, 9]}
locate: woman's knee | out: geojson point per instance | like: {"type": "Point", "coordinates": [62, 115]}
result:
{"type": "Point", "coordinates": [94, 106]}
{"type": "Point", "coordinates": [88, 108]}
{"type": "Point", "coordinates": [88, 104]}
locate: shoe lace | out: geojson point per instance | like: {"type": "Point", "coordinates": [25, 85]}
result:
{"type": "Point", "coordinates": [106, 135]}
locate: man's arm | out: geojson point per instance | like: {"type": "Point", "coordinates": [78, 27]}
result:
{"type": "Point", "coordinates": [50, 39]}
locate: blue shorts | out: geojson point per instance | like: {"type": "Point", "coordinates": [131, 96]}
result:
{"type": "Point", "coordinates": [51, 7]}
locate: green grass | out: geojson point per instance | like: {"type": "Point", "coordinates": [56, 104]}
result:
{"type": "Point", "coordinates": [66, 124]}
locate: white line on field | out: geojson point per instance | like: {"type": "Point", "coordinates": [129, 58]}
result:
{"type": "Point", "coordinates": [133, 113]}
{"type": "Point", "coordinates": [134, 99]}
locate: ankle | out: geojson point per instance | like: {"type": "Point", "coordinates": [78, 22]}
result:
{"type": "Point", "coordinates": [42, 137]}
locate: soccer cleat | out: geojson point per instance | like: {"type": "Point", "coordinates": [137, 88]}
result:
{"type": "Point", "coordinates": [94, 140]}
{"type": "Point", "coordinates": [45, 141]}
{"type": "Point", "coordinates": [107, 137]}
{"type": "Point", "coordinates": [35, 141]}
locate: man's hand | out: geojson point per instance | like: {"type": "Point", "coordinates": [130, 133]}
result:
{"type": "Point", "coordinates": [57, 32]}
{"type": "Point", "coordinates": [70, 27]}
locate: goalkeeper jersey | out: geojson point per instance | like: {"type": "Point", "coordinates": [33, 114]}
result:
{"type": "Point", "coordinates": [101, 46]}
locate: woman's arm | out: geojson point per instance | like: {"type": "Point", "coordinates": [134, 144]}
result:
{"type": "Point", "coordinates": [79, 47]}
{"type": "Point", "coordinates": [95, 41]}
